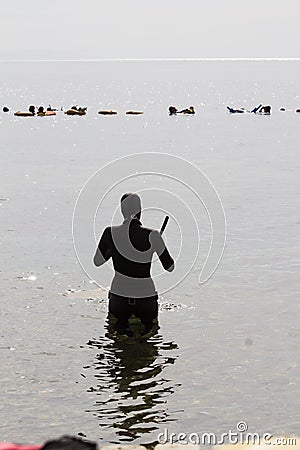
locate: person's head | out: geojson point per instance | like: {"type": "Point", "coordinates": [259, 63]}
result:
{"type": "Point", "coordinates": [31, 109]}
{"type": "Point", "coordinates": [131, 206]}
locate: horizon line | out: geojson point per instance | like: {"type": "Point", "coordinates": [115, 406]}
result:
{"type": "Point", "coordinates": [150, 59]}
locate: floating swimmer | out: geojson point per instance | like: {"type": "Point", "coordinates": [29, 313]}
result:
{"type": "Point", "coordinates": [265, 110]}
{"type": "Point", "coordinates": [29, 113]}
{"type": "Point", "coordinates": [76, 111]}
{"type": "Point", "coordinates": [243, 110]}
{"type": "Point", "coordinates": [235, 111]}
{"type": "Point", "coordinates": [41, 111]}
{"type": "Point", "coordinates": [256, 109]}
{"type": "Point", "coordinates": [51, 109]}
{"type": "Point", "coordinates": [5, 109]}
{"type": "Point", "coordinates": [189, 110]}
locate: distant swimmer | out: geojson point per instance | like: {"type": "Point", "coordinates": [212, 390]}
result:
{"type": "Point", "coordinates": [5, 109]}
{"type": "Point", "coordinates": [29, 113]}
{"type": "Point", "coordinates": [189, 110]}
{"type": "Point", "coordinates": [41, 111]}
{"type": "Point", "coordinates": [132, 247]}
{"type": "Point", "coordinates": [76, 111]}
{"type": "Point", "coordinates": [79, 108]}
{"type": "Point", "coordinates": [173, 111]}
{"type": "Point", "coordinates": [243, 110]}
{"type": "Point", "coordinates": [235, 111]}
{"type": "Point", "coordinates": [257, 108]}
{"type": "Point", "coordinates": [265, 110]}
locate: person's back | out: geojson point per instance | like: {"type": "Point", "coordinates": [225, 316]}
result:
{"type": "Point", "coordinates": [131, 247]}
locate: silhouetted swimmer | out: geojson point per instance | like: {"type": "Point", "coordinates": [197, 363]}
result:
{"type": "Point", "coordinates": [257, 108]}
{"type": "Point", "coordinates": [131, 247]}
{"type": "Point", "coordinates": [189, 110]}
{"type": "Point", "coordinates": [243, 110]}
{"type": "Point", "coordinates": [51, 109]}
{"type": "Point", "coordinates": [76, 111]}
{"type": "Point", "coordinates": [235, 111]}
{"type": "Point", "coordinates": [79, 108]}
{"type": "Point", "coordinates": [172, 111]}
{"type": "Point", "coordinates": [265, 110]}
{"type": "Point", "coordinates": [5, 109]}
{"type": "Point", "coordinates": [41, 111]}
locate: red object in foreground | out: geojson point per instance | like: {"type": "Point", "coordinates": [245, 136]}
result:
{"type": "Point", "coordinates": [9, 446]}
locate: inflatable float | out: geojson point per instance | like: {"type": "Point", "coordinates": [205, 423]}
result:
{"type": "Point", "coordinates": [75, 112]}
{"type": "Point", "coordinates": [107, 113]}
{"type": "Point", "coordinates": [23, 114]}
{"type": "Point", "coordinates": [11, 446]}
{"type": "Point", "coordinates": [46, 113]}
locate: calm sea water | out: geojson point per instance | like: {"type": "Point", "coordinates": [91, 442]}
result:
{"type": "Point", "coordinates": [226, 351]}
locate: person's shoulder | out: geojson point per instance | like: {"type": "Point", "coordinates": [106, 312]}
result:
{"type": "Point", "coordinates": [148, 230]}
{"type": "Point", "coordinates": [113, 228]}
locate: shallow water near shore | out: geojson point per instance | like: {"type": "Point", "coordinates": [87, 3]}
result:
{"type": "Point", "coordinates": [226, 351]}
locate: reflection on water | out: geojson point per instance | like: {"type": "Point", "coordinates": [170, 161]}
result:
{"type": "Point", "coordinates": [131, 391]}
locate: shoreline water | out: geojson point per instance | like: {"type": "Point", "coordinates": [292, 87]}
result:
{"type": "Point", "coordinates": [237, 337]}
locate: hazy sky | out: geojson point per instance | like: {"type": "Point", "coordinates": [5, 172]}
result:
{"type": "Point", "coordinates": [148, 28]}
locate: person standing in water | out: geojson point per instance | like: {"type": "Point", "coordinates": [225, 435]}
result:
{"type": "Point", "coordinates": [131, 247]}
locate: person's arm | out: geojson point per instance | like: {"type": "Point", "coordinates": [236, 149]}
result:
{"type": "Point", "coordinates": [160, 248]}
{"type": "Point", "coordinates": [103, 252]}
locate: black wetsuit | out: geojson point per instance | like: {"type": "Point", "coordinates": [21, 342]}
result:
{"type": "Point", "coordinates": [131, 247]}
